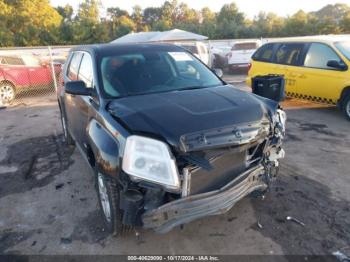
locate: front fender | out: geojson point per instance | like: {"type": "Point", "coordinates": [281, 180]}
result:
{"type": "Point", "coordinates": [105, 148]}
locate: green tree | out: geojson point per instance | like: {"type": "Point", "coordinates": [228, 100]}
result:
{"type": "Point", "coordinates": [230, 21]}
{"type": "Point", "coordinates": [208, 23]}
{"type": "Point", "coordinates": [66, 29]}
{"type": "Point", "coordinates": [88, 27]}
{"type": "Point", "coordinates": [326, 26]}
{"type": "Point", "coordinates": [29, 22]}
{"type": "Point", "coordinates": [125, 26]}
{"type": "Point", "coordinates": [137, 17]}
{"type": "Point", "coordinates": [115, 12]}
{"type": "Point", "coordinates": [120, 22]}
{"type": "Point", "coordinates": [151, 15]}
{"type": "Point", "coordinates": [66, 12]}
{"type": "Point", "coordinates": [186, 18]}
{"type": "Point", "coordinates": [6, 35]}
{"type": "Point", "coordinates": [36, 22]}
{"type": "Point", "coordinates": [167, 16]}
{"type": "Point", "coordinates": [297, 25]}
{"type": "Point", "coordinates": [89, 10]}
{"type": "Point", "coordinates": [267, 25]}
{"type": "Point", "coordinates": [345, 23]}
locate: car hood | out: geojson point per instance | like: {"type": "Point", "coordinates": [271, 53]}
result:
{"type": "Point", "coordinates": [189, 114]}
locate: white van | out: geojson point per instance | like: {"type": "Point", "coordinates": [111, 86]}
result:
{"type": "Point", "coordinates": [241, 53]}
{"type": "Point", "coordinates": [199, 49]}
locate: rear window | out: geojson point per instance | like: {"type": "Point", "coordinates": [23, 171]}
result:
{"type": "Point", "coordinates": [289, 54]}
{"type": "Point", "coordinates": [264, 53]}
{"type": "Point", "coordinates": [245, 46]}
{"type": "Point", "coordinates": [30, 60]}
{"type": "Point", "coordinates": [9, 60]}
{"type": "Point", "coordinates": [190, 48]}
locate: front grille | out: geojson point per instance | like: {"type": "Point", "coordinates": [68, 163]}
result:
{"type": "Point", "coordinates": [236, 135]}
{"type": "Point", "coordinates": [226, 165]}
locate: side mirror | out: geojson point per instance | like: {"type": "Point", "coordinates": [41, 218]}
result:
{"type": "Point", "coordinates": [337, 65]}
{"type": "Point", "coordinates": [78, 88]}
{"type": "Point", "coordinates": [218, 72]}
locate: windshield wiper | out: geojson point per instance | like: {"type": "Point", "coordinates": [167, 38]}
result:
{"type": "Point", "coordinates": [196, 87]}
{"type": "Point", "coordinates": [190, 88]}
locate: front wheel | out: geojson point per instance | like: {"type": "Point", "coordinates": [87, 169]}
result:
{"type": "Point", "coordinates": [108, 198]}
{"type": "Point", "coordinates": [7, 92]}
{"type": "Point", "coordinates": [346, 106]}
{"type": "Point", "coordinates": [67, 137]}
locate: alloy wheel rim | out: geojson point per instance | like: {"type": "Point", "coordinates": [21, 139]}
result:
{"type": "Point", "coordinates": [106, 207]}
{"type": "Point", "coordinates": [6, 93]}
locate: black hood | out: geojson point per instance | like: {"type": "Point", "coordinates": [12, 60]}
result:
{"type": "Point", "coordinates": [171, 115]}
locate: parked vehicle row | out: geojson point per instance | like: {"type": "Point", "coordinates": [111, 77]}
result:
{"type": "Point", "coordinates": [241, 53]}
{"type": "Point", "coordinates": [169, 141]}
{"type": "Point", "coordinates": [198, 49]}
{"type": "Point", "coordinates": [315, 68]}
{"type": "Point", "coordinates": [20, 73]}
{"type": "Point", "coordinates": [218, 57]}
{"type": "Point", "coordinates": [234, 58]}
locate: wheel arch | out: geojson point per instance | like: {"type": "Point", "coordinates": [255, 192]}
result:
{"type": "Point", "coordinates": [8, 82]}
{"type": "Point", "coordinates": [345, 92]}
{"type": "Point", "coordinates": [90, 156]}
{"type": "Point", "coordinates": [102, 150]}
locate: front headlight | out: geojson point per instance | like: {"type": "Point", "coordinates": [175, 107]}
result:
{"type": "Point", "coordinates": [150, 160]}
{"type": "Point", "coordinates": [282, 119]}
{"type": "Point", "coordinates": [280, 123]}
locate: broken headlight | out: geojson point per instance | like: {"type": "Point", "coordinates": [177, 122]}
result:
{"type": "Point", "coordinates": [150, 160]}
{"type": "Point", "coordinates": [280, 119]}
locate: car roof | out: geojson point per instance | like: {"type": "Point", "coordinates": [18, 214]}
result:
{"type": "Point", "coordinates": [255, 41]}
{"type": "Point", "coordinates": [327, 39]}
{"type": "Point", "coordinates": [129, 47]}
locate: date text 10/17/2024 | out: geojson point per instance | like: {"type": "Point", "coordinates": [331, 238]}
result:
{"type": "Point", "coordinates": [173, 258]}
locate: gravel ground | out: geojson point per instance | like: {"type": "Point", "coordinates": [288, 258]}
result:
{"type": "Point", "coordinates": [48, 203]}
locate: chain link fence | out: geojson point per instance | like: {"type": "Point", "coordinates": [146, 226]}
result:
{"type": "Point", "coordinates": [30, 75]}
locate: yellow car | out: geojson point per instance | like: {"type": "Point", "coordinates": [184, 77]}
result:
{"type": "Point", "coordinates": [315, 68]}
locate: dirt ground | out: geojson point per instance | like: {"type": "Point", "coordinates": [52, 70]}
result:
{"type": "Point", "coordinates": [48, 203]}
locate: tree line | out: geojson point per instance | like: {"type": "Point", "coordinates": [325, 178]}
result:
{"type": "Point", "coordinates": [36, 22]}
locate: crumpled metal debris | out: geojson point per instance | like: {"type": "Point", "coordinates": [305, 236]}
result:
{"type": "Point", "coordinates": [289, 218]}
{"type": "Point", "coordinates": [341, 257]}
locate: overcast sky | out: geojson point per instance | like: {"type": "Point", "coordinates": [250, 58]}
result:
{"type": "Point", "coordinates": [249, 7]}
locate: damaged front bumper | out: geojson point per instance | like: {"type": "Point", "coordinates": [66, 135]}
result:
{"type": "Point", "coordinates": [190, 208]}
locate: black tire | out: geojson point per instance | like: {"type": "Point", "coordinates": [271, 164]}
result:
{"type": "Point", "coordinates": [346, 106]}
{"type": "Point", "coordinates": [67, 136]}
{"type": "Point", "coordinates": [258, 193]}
{"type": "Point", "coordinates": [7, 92]}
{"type": "Point", "coordinates": [113, 222]}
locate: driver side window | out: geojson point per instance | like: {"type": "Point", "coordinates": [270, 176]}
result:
{"type": "Point", "coordinates": [85, 71]}
{"type": "Point", "coordinates": [319, 55]}
{"type": "Point", "coordinates": [72, 72]}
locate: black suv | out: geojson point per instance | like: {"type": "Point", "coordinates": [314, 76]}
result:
{"type": "Point", "coordinates": [168, 140]}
